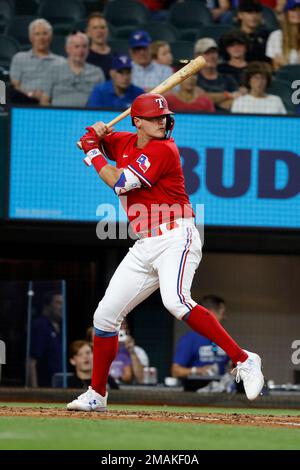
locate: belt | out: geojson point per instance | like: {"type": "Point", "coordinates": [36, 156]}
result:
{"type": "Point", "coordinates": [160, 230]}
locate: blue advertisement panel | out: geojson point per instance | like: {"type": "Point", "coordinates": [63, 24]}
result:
{"type": "Point", "coordinates": [244, 169]}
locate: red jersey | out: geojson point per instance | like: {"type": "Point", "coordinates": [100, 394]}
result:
{"type": "Point", "coordinates": [162, 197]}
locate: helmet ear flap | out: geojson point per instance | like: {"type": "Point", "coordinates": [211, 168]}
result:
{"type": "Point", "coordinates": [169, 125]}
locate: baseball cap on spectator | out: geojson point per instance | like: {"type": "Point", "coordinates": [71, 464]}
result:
{"type": "Point", "coordinates": [205, 44]}
{"type": "Point", "coordinates": [139, 39]}
{"type": "Point", "coordinates": [121, 62]}
{"type": "Point", "coordinates": [291, 4]}
{"type": "Point", "coordinates": [235, 37]}
{"type": "Point", "coordinates": [249, 6]}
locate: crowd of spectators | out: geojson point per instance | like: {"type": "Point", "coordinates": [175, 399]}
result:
{"type": "Point", "coordinates": [94, 74]}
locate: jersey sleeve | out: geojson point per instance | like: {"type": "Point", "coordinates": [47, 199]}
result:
{"type": "Point", "coordinates": [110, 145]}
{"type": "Point", "coordinates": [152, 163]}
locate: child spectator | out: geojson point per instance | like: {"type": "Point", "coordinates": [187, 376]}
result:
{"type": "Point", "coordinates": [161, 53]}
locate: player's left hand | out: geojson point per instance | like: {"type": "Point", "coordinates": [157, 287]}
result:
{"type": "Point", "coordinates": [89, 140]}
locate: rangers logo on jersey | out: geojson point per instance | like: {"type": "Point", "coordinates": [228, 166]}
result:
{"type": "Point", "coordinates": [143, 162]}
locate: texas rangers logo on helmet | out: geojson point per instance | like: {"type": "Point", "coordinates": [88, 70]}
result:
{"type": "Point", "coordinates": [143, 162]}
{"type": "Point", "coordinates": [160, 101]}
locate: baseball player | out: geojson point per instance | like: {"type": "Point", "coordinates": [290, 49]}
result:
{"type": "Point", "coordinates": [168, 250]}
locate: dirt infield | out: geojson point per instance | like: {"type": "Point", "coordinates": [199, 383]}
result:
{"type": "Point", "coordinates": [286, 421]}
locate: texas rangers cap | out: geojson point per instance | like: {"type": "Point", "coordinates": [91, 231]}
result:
{"type": "Point", "coordinates": [139, 39]}
{"type": "Point", "coordinates": [203, 45]}
{"type": "Point", "coordinates": [121, 62]}
{"type": "Point", "coordinates": [290, 4]}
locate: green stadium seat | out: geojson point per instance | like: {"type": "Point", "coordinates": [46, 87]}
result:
{"type": "Point", "coordinates": [119, 46]}
{"type": "Point", "coordinates": [289, 73]}
{"type": "Point", "coordinates": [26, 7]}
{"type": "Point", "coordinates": [8, 48]}
{"type": "Point", "coordinates": [124, 32]}
{"type": "Point", "coordinates": [158, 32]}
{"type": "Point", "coordinates": [269, 19]}
{"type": "Point", "coordinates": [283, 89]}
{"type": "Point", "coordinates": [215, 31]}
{"type": "Point", "coordinates": [18, 28]}
{"type": "Point", "coordinates": [189, 34]}
{"type": "Point", "coordinates": [183, 16]}
{"type": "Point", "coordinates": [182, 51]}
{"type": "Point", "coordinates": [61, 14]}
{"type": "Point", "coordinates": [7, 11]}
{"type": "Point", "coordinates": [58, 44]}
{"type": "Point", "coordinates": [94, 5]}
{"type": "Point", "coordinates": [126, 13]}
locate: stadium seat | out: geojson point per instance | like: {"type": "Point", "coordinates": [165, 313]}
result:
{"type": "Point", "coordinates": [7, 11]}
{"type": "Point", "coordinates": [188, 34]}
{"type": "Point", "coordinates": [94, 5]}
{"type": "Point", "coordinates": [183, 16]}
{"type": "Point", "coordinates": [62, 15]}
{"type": "Point", "coordinates": [182, 51]}
{"type": "Point", "coordinates": [8, 48]}
{"type": "Point", "coordinates": [18, 28]}
{"type": "Point", "coordinates": [79, 25]}
{"type": "Point", "coordinates": [58, 44]}
{"type": "Point", "coordinates": [166, 32]}
{"type": "Point", "coordinates": [126, 12]}
{"type": "Point", "coordinates": [283, 89]}
{"type": "Point", "coordinates": [269, 19]}
{"type": "Point", "coordinates": [289, 73]}
{"type": "Point", "coordinates": [214, 31]}
{"type": "Point", "coordinates": [119, 46]}
{"type": "Point", "coordinates": [123, 32]}
{"type": "Point", "coordinates": [26, 7]}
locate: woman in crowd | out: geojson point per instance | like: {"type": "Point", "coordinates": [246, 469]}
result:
{"type": "Point", "coordinates": [283, 45]}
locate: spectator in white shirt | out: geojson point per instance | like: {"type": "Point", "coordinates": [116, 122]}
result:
{"type": "Point", "coordinates": [257, 79]}
{"type": "Point", "coordinates": [146, 73]}
{"type": "Point", "coordinates": [283, 46]}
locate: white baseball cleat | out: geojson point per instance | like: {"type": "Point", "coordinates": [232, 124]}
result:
{"type": "Point", "coordinates": [89, 401]}
{"type": "Point", "coordinates": [250, 373]}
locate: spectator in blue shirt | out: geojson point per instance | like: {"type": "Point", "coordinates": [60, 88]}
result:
{"type": "Point", "coordinates": [46, 342]}
{"type": "Point", "coordinates": [197, 355]}
{"type": "Point", "coordinates": [119, 92]}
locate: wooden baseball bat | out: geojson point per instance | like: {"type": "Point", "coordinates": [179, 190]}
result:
{"type": "Point", "coordinates": [189, 69]}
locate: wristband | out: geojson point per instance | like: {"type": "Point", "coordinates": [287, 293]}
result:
{"type": "Point", "coordinates": [194, 370]}
{"type": "Point", "coordinates": [96, 158]}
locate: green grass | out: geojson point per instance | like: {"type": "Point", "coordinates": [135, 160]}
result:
{"type": "Point", "coordinates": [64, 433]}
{"type": "Point", "coordinates": [61, 433]}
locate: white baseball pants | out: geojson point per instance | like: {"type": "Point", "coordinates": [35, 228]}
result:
{"type": "Point", "coordinates": [168, 261]}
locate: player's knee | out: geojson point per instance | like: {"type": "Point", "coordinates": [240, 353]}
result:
{"type": "Point", "coordinates": [104, 319]}
{"type": "Point", "coordinates": [173, 306]}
